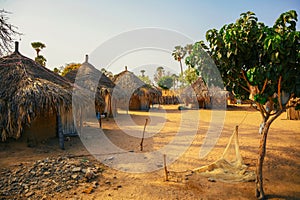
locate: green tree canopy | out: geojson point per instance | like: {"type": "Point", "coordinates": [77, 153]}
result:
{"type": "Point", "coordinates": [38, 46]}
{"type": "Point", "coordinates": [144, 78]}
{"type": "Point", "coordinates": [261, 61]}
{"type": "Point", "coordinates": [190, 75]}
{"type": "Point", "coordinates": [178, 54]}
{"type": "Point", "coordinates": [160, 72]}
{"type": "Point", "coordinates": [166, 82]}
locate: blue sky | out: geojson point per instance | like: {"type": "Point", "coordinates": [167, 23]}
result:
{"type": "Point", "coordinates": [72, 28]}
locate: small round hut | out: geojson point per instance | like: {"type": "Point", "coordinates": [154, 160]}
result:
{"type": "Point", "coordinates": [137, 94]}
{"type": "Point", "coordinates": [87, 76]}
{"type": "Point", "coordinates": [196, 95]}
{"type": "Point", "coordinates": [34, 101]}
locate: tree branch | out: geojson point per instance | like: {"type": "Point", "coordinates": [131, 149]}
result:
{"type": "Point", "coordinates": [245, 78]}
{"type": "Point", "coordinates": [262, 110]}
{"type": "Point", "coordinates": [264, 87]}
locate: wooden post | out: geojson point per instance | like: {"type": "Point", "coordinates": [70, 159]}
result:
{"type": "Point", "coordinates": [143, 134]}
{"type": "Point", "coordinates": [165, 166]}
{"type": "Point", "coordinates": [59, 130]}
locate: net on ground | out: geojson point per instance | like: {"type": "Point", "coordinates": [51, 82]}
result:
{"type": "Point", "coordinates": [230, 167]}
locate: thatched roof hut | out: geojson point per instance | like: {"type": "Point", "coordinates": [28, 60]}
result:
{"type": "Point", "coordinates": [138, 95]}
{"type": "Point", "coordinates": [197, 94]}
{"type": "Point", "coordinates": [90, 78]}
{"type": "Point", "coordinates": [30, 92]}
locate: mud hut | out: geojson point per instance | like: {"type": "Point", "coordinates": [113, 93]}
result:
{"type": "Point", "coordinates": [90, 78]}
{"type": "Point", "coordinates": [34, 101]}
{"type": "Point", "coordinates": [291, 112]}
{"type": "Point", "coordinates": [196, 95]}
{"type": "Point", "coordinates": [137, 94]}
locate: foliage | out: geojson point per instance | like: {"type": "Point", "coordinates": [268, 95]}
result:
{"type": "Point", "coordinates": [248, 53]}
{"type": "Point", "coordinates": [7, 33]}
{"type": "Point", "coordinates": [56, 70]}
{"type": "Point", "coordinates": [107, 73]}
{"type": "Point", "coordinates": [191, 75]}
{"type": "Point", "coordinates": [166, 82]}
{"type": "Point", "coordinates": [200, 60]}
{"type": "Point", "coordinates": [41, 60]}
{"type": "Point", "coordinates": [175, 80]}
{"type": "Point", "coordinates": [178, 54]}
{"type": "Point", "coordinates": [70, 67]}
{"type": "Point", "coordinates": [145, 79]}
{"type": "Point", "coordinates": [38, 46]}
{"type": "Point", "coordinates": [264, 62]}
{"type": "Point", "coordinates": [160, 72]}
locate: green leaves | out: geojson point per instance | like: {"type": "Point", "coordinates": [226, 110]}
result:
{"type": "Point", "coordinates": [249, 53]}
{"type": "Point", "coordinates": [166, 82]}
{"type": "Point", "coordinates": [261, 99]}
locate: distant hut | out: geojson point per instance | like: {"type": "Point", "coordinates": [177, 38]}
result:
{"type": "Point", "coordinates": [34, 101]}
{"type": "Point", "coordinates": [196, 95]}
{"type": "Point", "coordinates": [138, 95]}
{"type": "Point", "coordinates": [292, 113]}
{"type": "Point", "coordinates": [90, 78]}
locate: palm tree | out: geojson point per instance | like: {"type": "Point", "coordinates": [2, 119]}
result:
{"type": "Point", "coordinates": [175, 79]}
{"type": "Point", "coordinates": [178, 55]}
{"type": "Point", "coordinates": [38, 46]}
{"type": "Point", "coordinates": [159, 74]}
{"type": "Point", "coordinates": [143, 72]}
{"type": "Point", "coordinates": [188, 48]}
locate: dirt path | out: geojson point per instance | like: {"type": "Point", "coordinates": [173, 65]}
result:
{"type": "Point", "coordinates": [281, 169]}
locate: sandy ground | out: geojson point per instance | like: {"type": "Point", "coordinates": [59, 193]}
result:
{"type": "Point", "coordinates": [281, 169]}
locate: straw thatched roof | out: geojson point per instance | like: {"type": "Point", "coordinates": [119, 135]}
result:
{"type": "Point", "coordinates": [197, 89]}
{"type": "Point", "coordinates": [130, 84]}
{"type": "Point", "coordinates": [133, 87]}
{"type": "Point", "coordinates": [94, 82]}
{"type": "Point", "coordinates": [88, 75]}
{"type": "Point", "coordinates": [27, 91]}
{"type": "Point", "coordinates": [128, 81]}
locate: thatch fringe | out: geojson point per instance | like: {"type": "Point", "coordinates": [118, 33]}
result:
{"type": "Point", "coordinates": [27, 91]}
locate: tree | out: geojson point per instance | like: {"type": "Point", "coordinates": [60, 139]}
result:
{"type": "Point", "coordinates": [264, 62]}
{"type": "Point", "coordinates": [41, 60]}
{"type": "Point", "coordinates": [178, 55]}
{"type": "Point", "coordinates": [107, 73]}
{"type": "Point", "coordinates": [144, 78]}
{"type": "Point", "coordinates": [175, 80]}
{"type": "Point", "coordinates": [38, 46]}
{"type": "Point", "coordinates": [190, 75]}
{"type": "Point", "coordinates": [201, 61]}
{"type": "Point", "coordinates": [70, 67]}
{"type": "Point", "coordinates": [160, 72]}
{"type": "Point", "coordinates": [188, 49]}
{"type": "Point", "coordinates": [7, 33]}
{"type": "Point", "coordinates": [56, 70]}
{"type": "Point", "coordinates": [166, 82]}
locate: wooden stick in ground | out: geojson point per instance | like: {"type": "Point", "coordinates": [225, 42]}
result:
{"type": "Point", "coordinates": [165, 165]}
{"type": "Point", "coordinates": [143, 134]}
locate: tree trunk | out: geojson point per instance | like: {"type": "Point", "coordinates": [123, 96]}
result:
{"type": "Point", "coordinates": [259, 191]}
{"type": "Point", "coordinates": [181, 67]}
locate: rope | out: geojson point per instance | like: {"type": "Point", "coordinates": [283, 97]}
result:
{"type": "Point", "coordinates": [243, 118]}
